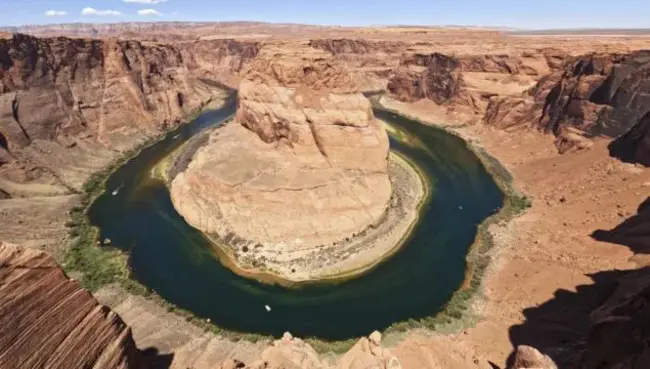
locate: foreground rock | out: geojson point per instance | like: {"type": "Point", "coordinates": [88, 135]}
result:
{"type": "Point", "coordinates": [527, 357]}
{"type": "Point", "coordinates": [304, 165]}
{"type": "Point", "coordinates": [49, 321]}
{"type": "Point", "coordinates": [293, 353]}
{"type": "Point", "coordinates": [368, 353]}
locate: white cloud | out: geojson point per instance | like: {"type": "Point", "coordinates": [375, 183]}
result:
{"type": "Point", "coordinates": [145, 1]}
{"type": "Point", "coordinates": [149, 12]}
{"type": "Point", "coordinates": [91, 11]}
{"type": "Point", "coordinates": [55, 13]}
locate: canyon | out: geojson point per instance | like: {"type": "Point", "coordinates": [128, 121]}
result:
{"type": "Point", "coordinates": [566, 115]}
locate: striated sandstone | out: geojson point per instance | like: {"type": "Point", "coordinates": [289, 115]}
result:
{"type": "Point", "coordinates": [303, 165]}
{"type": "Point", "coordinates": [594, 95]}
{"type": "Point", "coordinates": [49, 321]}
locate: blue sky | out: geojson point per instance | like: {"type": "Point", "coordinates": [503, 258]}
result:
{"type": "Point", "coordinates": [534, 14]}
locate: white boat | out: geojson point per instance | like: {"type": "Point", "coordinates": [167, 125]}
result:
{"type": "Point", "coordinates": [175, 137]}
{"type": "Point", "coordinates": [267, 307]}
{"type": "Point", "coordinates": [117, 190]}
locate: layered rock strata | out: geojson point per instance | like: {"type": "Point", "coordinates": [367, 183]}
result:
{"type": "Point", "coordinates": [595, 95]}
{"type": "Point", "coordinates": [48, 321]}
{"type": "Point", "coordinates": [303, 167]}
{"type": "Point", "coordinates": [69, 106]}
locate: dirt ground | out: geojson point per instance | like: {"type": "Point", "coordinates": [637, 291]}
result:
{"type": "Point", "coordinates": [539, 288]}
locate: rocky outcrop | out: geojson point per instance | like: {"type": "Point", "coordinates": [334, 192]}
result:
{"type": "Point", "coordinates": [356, 46]}
{"type": "Point", "coordinates": [303, 165]}
{"type": "Point", "coordinates": [293, 353]}
{"type": "Point", "coordinates": [440, 81]}
{"type": "Point", "coordinates": [369, 353]}
{"type": "Point", "coordinates": [594, 95]}
{"type": "Point", "coordinates": [218, 59]}
{"type": "Point", "coordinates": [48, 321]}
{"type": "Point", "coordinates": [68, 106]}
{"type": "Point", "coordinates": [442, 78]}
{"type": "Point", "coordinates": [527, 357]}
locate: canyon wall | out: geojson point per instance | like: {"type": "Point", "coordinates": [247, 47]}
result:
{"type": "Point", "coordinates": [576, 98]}
{"type": "Point", "coordinates": [596, 95]}
{"type": "Point", "coordinates": [48, 321]}
{"type": "Point", "coordinates": [69, 106]}
{"type": "Point", "coordinates": [464, 84]}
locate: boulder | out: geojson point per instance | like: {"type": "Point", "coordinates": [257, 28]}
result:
{"type": "Point", "coordinates": [528, 357]}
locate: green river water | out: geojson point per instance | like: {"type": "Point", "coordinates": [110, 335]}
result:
{"type": "Point", "coordinates": [175, 260]}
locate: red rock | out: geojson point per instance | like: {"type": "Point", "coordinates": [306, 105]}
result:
{"type": "Point", "coordinates": [49, 321]}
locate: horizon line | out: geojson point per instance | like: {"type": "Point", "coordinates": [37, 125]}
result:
{"type": "Point", "coordinates": [324, 25]}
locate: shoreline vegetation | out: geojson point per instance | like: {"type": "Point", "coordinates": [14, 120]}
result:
{"type": "Point", "coordinates": [457, 312]}
{"type": "Point", "coordinates": [102, 266]}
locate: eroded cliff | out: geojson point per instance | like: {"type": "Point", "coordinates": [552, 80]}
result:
{"type": "Point", "coordinates": [69, 106]}
{"type": "Point", "coordinates": [596, 95]}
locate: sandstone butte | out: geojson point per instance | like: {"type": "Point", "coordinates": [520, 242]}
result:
{"type": "Point", "coordinates": [70, 106]}
{"type": "Point", "coordinates": [304, 164]}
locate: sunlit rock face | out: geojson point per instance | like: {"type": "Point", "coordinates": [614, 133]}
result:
{"type": "Point", "coordinates": [48, 321]}
{"type": "Point", "coordinates": [304, 163]}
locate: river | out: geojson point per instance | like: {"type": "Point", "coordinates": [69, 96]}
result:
{"type": "Point", "coordinates": [175, 260]}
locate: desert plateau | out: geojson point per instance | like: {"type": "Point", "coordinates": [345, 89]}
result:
{"type": "Point", "coordinates": [259, 195]}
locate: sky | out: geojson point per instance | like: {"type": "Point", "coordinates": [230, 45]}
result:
{"type": "Point", "coordinates": [527, 14]}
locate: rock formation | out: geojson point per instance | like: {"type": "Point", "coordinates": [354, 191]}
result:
{"type": "Point", "coordinates": [67, 105]}
{"type": "Point", "coordinates": [439, 78]}
{"type": "Point", "coordinates": [359, 46]}
{"type": "Point", "coordinates": [294, 353]}
{"type": "Point", "coordinates": [462, 81]}
{"type": "Point", "coordinates": [527, 357]}
{"type": "Point", "coordinates": [48, 321]}
{"type": "Point", "coordinates": [368, 353]}
{"type": "Point", "coordinates": [594, 95]}
{"type": "Point", "coordinates": [303, 165]}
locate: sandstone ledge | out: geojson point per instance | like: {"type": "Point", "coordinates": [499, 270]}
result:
{"type": "Point", "coordinates": [352, 257]}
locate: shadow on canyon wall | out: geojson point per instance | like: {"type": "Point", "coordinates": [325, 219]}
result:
{"type": "Point", "coordinates": [601, 325]}
{"type": "Point", "coordinates": [559, 326]}
{"type": "Point", "coordinates": [151, 358]}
